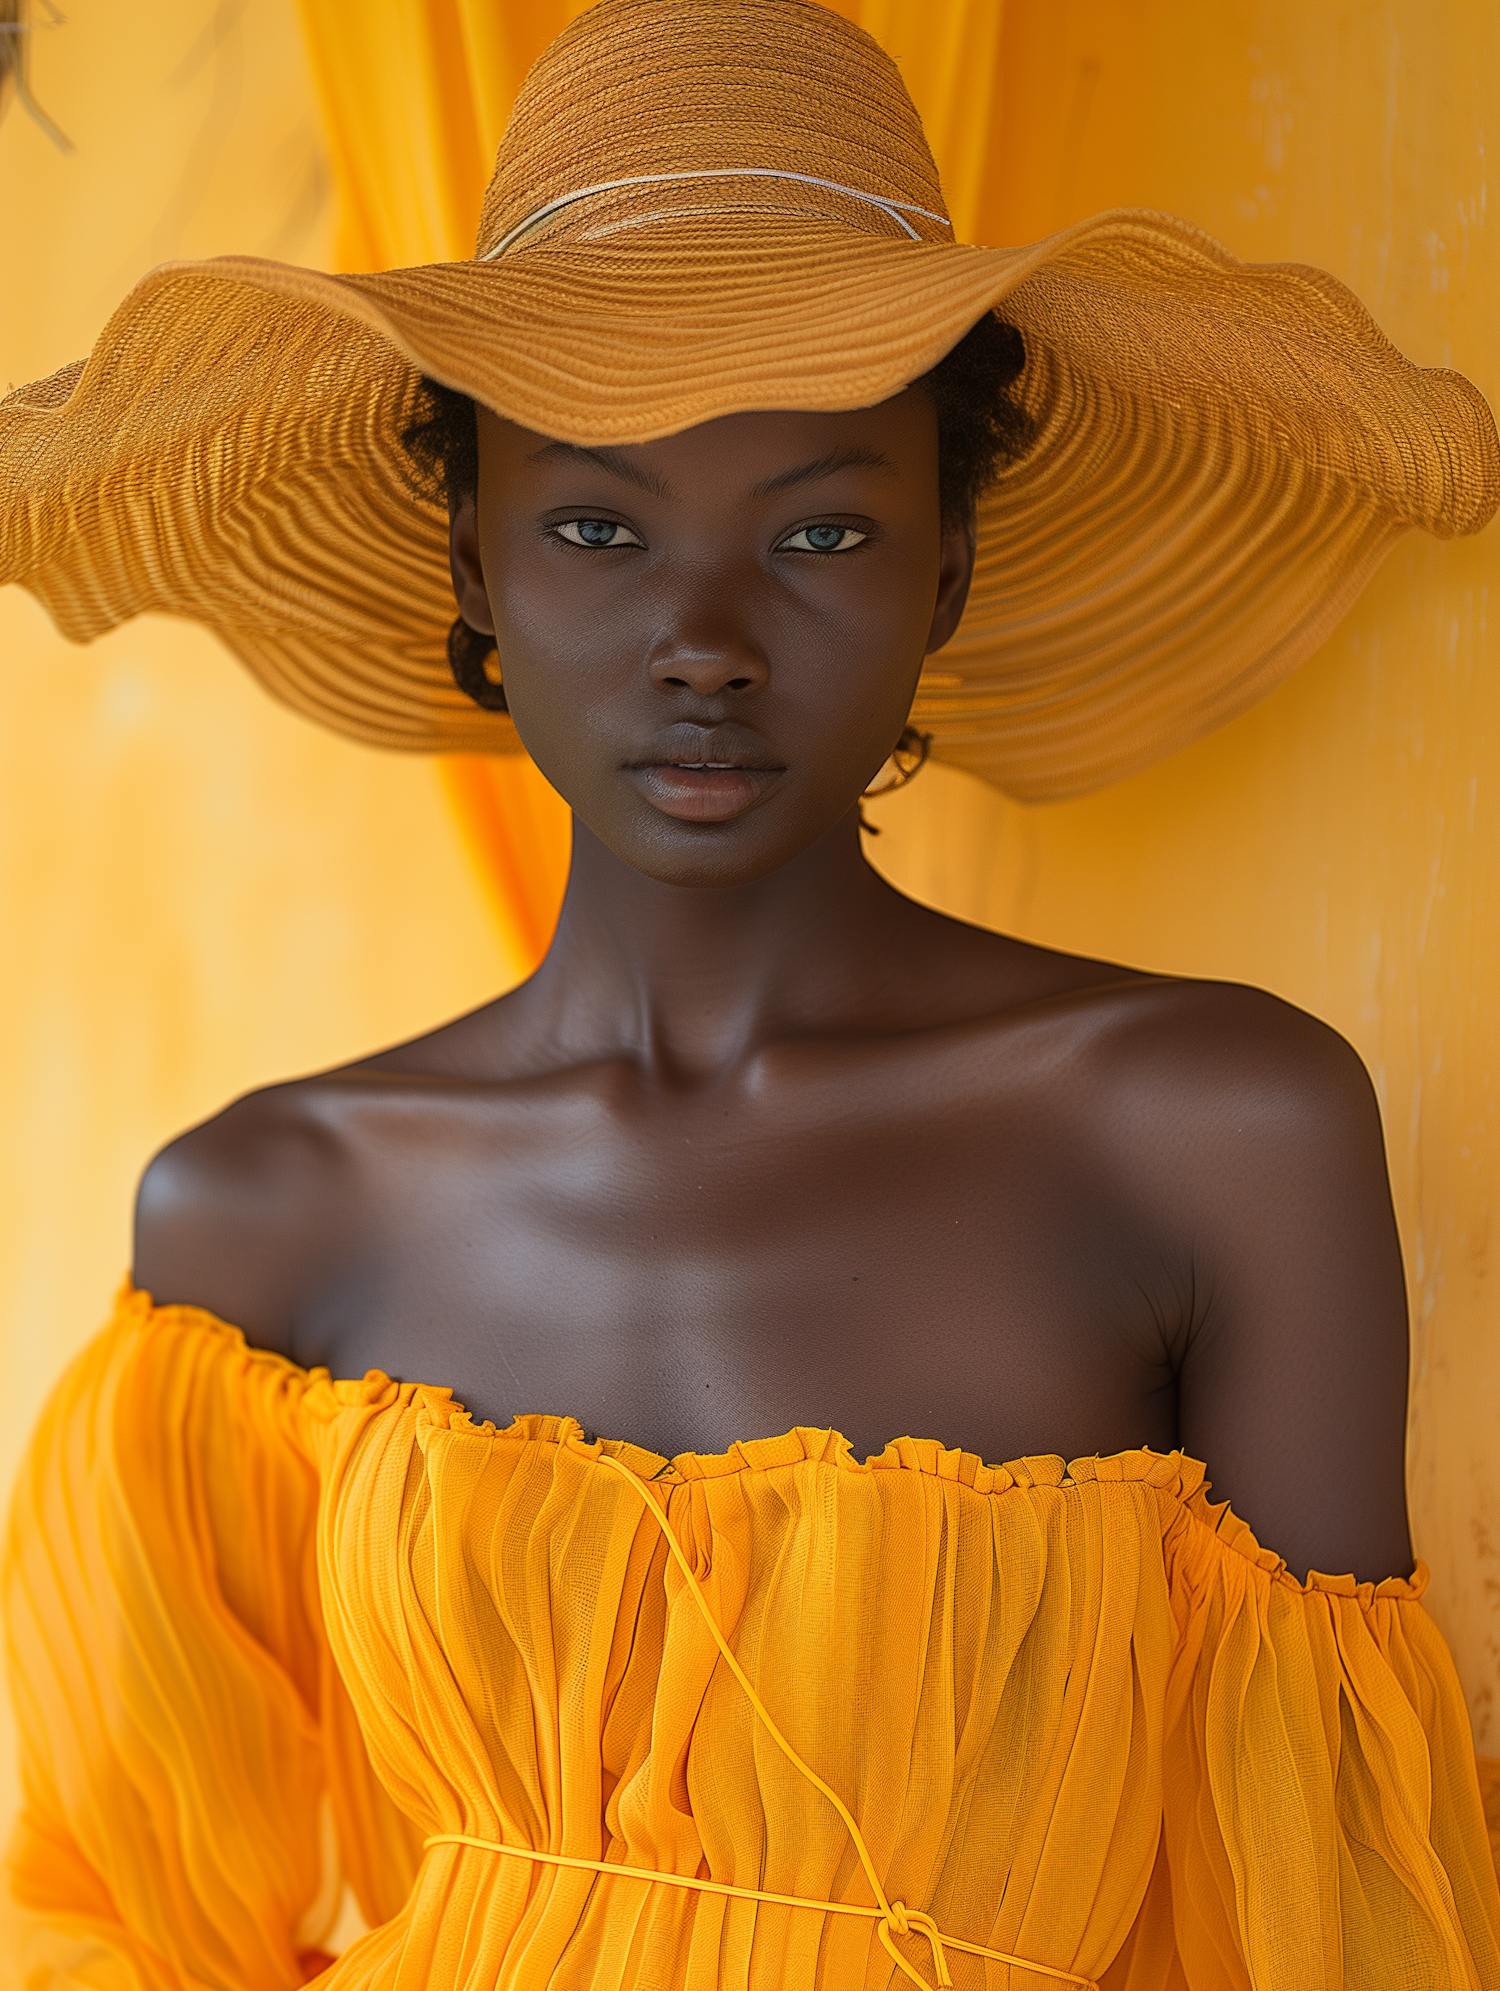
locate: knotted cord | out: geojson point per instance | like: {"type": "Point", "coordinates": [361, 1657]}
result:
{"type": "Point", "coordinates": [892, 1918]}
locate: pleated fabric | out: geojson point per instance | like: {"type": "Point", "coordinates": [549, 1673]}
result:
{"type": "Point", "coordinates": [268, 1632]}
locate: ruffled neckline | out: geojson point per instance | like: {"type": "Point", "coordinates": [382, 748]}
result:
{"type": "Point", "coordinates": [439, 1415]}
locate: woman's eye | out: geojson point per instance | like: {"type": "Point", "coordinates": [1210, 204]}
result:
{"type": "Point", "coordinates": [595, 532]}
{"type": "Point", "coordinates": [823, 539]}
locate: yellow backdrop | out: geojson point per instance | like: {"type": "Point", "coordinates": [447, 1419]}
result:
{"type": "Point", "coordinates": [198, 891]}
{"type": "Point", "coordinates": [201, 893]}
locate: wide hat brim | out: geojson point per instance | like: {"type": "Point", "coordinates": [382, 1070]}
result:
{"type": "Point", "coordinates": [1223, 453]}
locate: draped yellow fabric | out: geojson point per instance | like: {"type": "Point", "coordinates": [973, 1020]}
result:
{"type": "Point", "coordinates": [415, 96]}
{"type": "Point", "coordinates": [269, 1632]}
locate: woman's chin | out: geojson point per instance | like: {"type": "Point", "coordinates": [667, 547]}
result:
{"type": "Point", "coordinates": [703, 854]}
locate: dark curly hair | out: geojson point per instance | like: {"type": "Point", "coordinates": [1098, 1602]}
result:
{"type": "Point", "coordinates": [981, 428]}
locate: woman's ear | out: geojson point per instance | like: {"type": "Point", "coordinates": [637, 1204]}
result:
{"type": "Point", "coordinates": [955, 575]}
{"type": "Point", "coordinates": [466, 568]}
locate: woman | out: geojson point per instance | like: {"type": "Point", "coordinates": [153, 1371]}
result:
{"type": "Point", "coordinates": [730, 443]}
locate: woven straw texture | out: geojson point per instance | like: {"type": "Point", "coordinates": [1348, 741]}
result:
{"type": "Point", "coordinates": [1223, 454]}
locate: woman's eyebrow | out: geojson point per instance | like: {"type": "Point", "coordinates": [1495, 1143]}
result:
{"type": "Point", "coordinates": [615, 461]}
{"type": "Point", "coordinates": [851, 458]}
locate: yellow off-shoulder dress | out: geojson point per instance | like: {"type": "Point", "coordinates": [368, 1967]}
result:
{"type": "Point", "coordinates": [274, 1637]}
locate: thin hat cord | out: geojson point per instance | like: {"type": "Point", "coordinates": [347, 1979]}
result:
{"type": "Point", "coordinates": [894, 210]}
{"type": "Point", "coordinates": [892, 1918]}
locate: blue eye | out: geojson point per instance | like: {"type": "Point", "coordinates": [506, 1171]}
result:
{"type": "Point", "coordinates": [823, 539]}
{"type": "Point", "coordinates": [596, 532]}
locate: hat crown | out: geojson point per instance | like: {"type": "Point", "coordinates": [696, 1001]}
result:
{"type": "Point", "coordinates": [659, 92]}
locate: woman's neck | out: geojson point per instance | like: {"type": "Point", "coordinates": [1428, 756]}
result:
{"type": "Point", "coordinates": [688, 981]}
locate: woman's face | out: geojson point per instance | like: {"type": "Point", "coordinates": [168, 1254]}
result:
{"type": "Point", "coordinates": [709, 644]}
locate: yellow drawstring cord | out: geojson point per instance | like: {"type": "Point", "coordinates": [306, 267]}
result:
{"type": "Point", "coordinates": [892, 1918]}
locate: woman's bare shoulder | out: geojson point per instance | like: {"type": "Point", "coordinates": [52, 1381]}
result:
{"type": "Point", "coordinates": [236, 1214]}
{"type": "Point", "coordinates": [249, 1211]}
{"type": "Point", "coordinates": [1217, 1041]}
{"type": "Point", "coordinates": [1169, 1043]}
{"type": "Point", "coordinates": [1192, 1084]}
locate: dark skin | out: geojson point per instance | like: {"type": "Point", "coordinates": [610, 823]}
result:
{"type": "Point", "coordinates": [764, 1143]}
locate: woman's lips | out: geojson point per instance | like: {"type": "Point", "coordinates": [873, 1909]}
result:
{"type": "Point", "coordinates": [703, 793]}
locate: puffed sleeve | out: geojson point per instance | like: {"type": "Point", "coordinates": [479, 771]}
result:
{"type": "Point", "coordinates": [195, 1792]}
{"type": "Point", "coordinates": [1323, 1823]}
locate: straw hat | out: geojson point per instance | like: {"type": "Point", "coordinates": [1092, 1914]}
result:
{"type": "Point", "coordinates": [702, 209]}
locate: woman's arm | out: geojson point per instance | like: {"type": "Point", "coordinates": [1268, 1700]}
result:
{"type": "Point", "coordinates": [1266, 1180]}
{"type": "Point", "coordinates": [168, 1674]}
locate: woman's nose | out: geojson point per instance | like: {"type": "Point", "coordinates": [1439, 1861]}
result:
{"type": "Point", "coordinates": [708, 653]}
{"type": "Point", "coordinates": [708, 672]}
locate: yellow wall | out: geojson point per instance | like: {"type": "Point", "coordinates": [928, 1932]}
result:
{"type": "Point", "coordinates": [198, 892]}
{"type": "Point", "coordinates": [1339, 843]}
